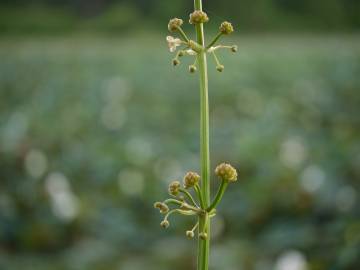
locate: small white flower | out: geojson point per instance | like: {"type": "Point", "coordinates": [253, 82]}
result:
{"type": "Point", "coordinates": [173, 43]}
{"type": "Point", "coordinates": [190, 52]}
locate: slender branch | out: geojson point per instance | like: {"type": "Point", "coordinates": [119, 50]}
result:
{"type": "Point", "coordinates": [182, 33]}
{"type": "Point", "coordinates": [173, 201]}
{"type": "Point", "coordinates": [218, 196]}
{"type": "Point", "coordinates": [188, 195]}
{"type": "Point", "coordinates": [198, 192]}
{"type": "Point", "coordinates": [214, 40]}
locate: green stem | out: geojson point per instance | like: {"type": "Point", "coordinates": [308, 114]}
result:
{"type": "Point", "coordinates": [204, 224]}
{"type": "Point", "coordinates": [218, 196]}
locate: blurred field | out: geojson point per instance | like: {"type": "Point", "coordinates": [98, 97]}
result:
{"type": "Point", "coordinates": [92, 129]}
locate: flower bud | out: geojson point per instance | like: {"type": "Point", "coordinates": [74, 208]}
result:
{"type": "Point", "coordinates": [198, 16]}
{"type": "Point", "coordinates": [220, 68]}
{"type": "Point", "coordinates": [191, 179]}
{"type": "Point", "coordinates": [234, 48]}
{"type": "Point", "coordinates": [175, 62]}
{"type": "Point", "coordinates": [174, 24]}
{"type": "Point", "coordinates": [203, 235]}
{"type": "Point", "coordinates": [192, 68]}
{"type": "Point", "coordinates": [165, 224]}
{"type": "Point", "coordinates": [226, 172]}
{"type": "Point", "coordinates": [226, 28]}
{"type": "Point", "coordinates": [162, 207]}
{"type": "Point", "coordinates": [190, 234]}
{"type": "Point", "coordinates": [174, 188]}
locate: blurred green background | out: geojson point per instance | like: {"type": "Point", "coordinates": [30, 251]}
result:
{"type": "Point", "coordinates": [95, 122]}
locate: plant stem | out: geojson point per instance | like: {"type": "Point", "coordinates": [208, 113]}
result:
{"type": "Point", "coordinates": [218, 196]}
{"type": "Point", "coordinates": [204, 223]}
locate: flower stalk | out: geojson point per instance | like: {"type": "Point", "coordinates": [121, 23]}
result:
{"type": "Point", "coordinates": [199, 203]}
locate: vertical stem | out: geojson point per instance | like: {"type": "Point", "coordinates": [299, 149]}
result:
{"type": "Point", "coordinates": [204, 223]}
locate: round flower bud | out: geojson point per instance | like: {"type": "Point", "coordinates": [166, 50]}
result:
{"type": "Point", "coordinates": [198, 16]}
{"type": "Point", "coordinates": [165, 224]}
{"type": "Point", "coordinates": [220, 68]}
{"type": "Point", "coordinates": [192, 68]}
{"type": "Point", "coordinates": [175, 62]}
{"type": "Point", "coordinates": [174, 188]}
{"type": "Point", "coordinates": [174, 24]}
{"type": "Point", "coordinates": [226, 28]}
{"type": "Point", "coordinates": [190, 234]}
{"type": "Point", "coordinates": [191, 179]}
{"type": "Point", "coordinates": [226, 172]}
{"type": "Point", "coordinates": [203, 235]}
{"type": "Point", "coordinates": [234, 48]}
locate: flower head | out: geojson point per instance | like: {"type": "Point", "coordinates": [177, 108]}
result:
{"type": "Point", "coordinates": [226, 172]}
{"type": "Point", "coordinates": [165, 224]}
{"type": "Point", "coordinates": [190, 234]}
{"type": "Point", "coordinates": [226, 28]}
{"type": "Point", "coordinates": [174, 24]}
{"type": "Point", "coordinates": [198, 16]}
{"type": "Point", "coordinates": [173, 43]}
{"type": "Point", "coordinates": [192, 68]}
{"type": "Point", "coordinates": [191, 179]}
{"type": "Point", "coordinates": [220, 68]}
{"type": "Point", "coordinates": [162, 207]}
{"type": "Point", "coordinates": [174, 188]}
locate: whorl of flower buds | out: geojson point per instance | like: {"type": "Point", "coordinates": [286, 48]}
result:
{"type": "Point", "coordinates": [174, 24]}
{"type": "Point", "coordinates": [165, 224]}
{"type": "Point", "coordinates": [191, 179]}
{"type": "Point", "coordinates": [174, 188]}
{"type": "Point", "coordinates": [226, 172]}
{"type": "Point", "coordinates": [198, 16]}
{"type": "Point", "coordinates": [226, 28]}
{"type": "Point", "coordinates": [162, 207]}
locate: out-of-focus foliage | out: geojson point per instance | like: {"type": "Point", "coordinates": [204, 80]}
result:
{"type": "Point", "coordinates": [92, 130]}
{"type": "Point", "coordinates": [49, 16]}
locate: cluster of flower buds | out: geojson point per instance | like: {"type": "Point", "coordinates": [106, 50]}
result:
{"type": "Point", "coordinates": [186, 203]}
{"type": "Point", "coordinates": [191, 47]}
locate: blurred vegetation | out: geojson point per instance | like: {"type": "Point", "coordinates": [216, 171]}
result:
{"type": "Point", "coordinates": [59, 16]}
{"type": "Point", "coordinates": [92, 130]}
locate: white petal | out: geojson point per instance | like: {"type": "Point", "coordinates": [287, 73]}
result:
{"type": "Point", "coordinates": [169, 39]}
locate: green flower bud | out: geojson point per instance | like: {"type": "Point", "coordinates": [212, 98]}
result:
{"type": "Point", "coordinates": [191, 179]}
{"type": "Point", "coordinates": [203, 236]}
{"type": "Point", "coordinates": [174, 24]}
{"type": "Point", "coordinates": [226, 172]}
{"type": "Point", "coordinates": [192, 68]}
{"type": "Point", "coordinates": [220, 68]}
{"type": "Point", "coordinates": [174, 188]}
{"type": "Point", "coordinates": [226, 28]}
{"type": "Point", "coordinates": [162, 207]}
{"type": "Point", "coordinates": [198, 16]}
{"type": "Point", "coordinates": [165, 224]}
{"type": "Point", "coordinates": [190, 234]}
{"type": "Point", "coordinates": [234, 48]}
{"type": "Point", "coordinates": [175, 62]}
